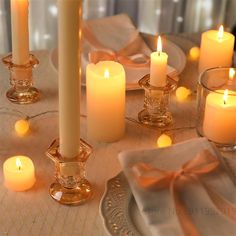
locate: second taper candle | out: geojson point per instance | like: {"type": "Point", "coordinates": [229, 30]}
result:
{"type": "Point", "coordinates": [105, 84]}
{"type": "Point", "coordinates": [20, 31]}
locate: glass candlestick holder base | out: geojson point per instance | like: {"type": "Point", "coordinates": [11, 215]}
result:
{"type": "Point", "coordinates": [71, 187]}
{"type": "Point", "coordinates": [21, 80]}
{"type": "Point", "coordinates": [156, 103]}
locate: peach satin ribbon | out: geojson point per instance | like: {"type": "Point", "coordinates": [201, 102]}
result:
{"type": "Point", "coordinates": [123, 56]}
{"type": "Point", "coordinates": [153, 178]}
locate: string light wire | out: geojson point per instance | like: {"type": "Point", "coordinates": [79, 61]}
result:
{"type": "Point", "coordinates": [6, 110]}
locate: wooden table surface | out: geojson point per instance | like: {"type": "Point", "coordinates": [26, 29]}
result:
{"type": "Point", "coordinates": [34, 212]}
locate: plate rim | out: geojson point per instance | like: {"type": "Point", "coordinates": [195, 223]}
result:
{"type": "Point", "coordinates": [131, 230]}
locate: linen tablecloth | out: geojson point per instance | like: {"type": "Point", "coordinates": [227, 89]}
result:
{"type": "Point", "coordinates": [34, 212]}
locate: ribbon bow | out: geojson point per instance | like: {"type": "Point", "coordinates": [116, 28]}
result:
{"type": "Point", "coordinates": [137, 60]}
{"type": "Point", "coordinates": [153, 178]}
{"type": "Point", "coordinates": [124, 56]}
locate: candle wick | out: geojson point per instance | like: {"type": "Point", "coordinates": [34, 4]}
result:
{"type": "Point", "coordinates": [159, 53]}
{"type": "Point", "coordinates": [224, 102]}
{"type": "Point", "coordinates": [19, 167]}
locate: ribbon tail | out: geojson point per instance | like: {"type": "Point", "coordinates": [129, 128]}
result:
{"type": "Point", "coordinates": [227, 208]}
{"type": "Point", "coordinates": [184, 218]}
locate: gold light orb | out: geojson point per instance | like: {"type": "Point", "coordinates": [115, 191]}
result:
{"type": "Point", "coordinates": [194, 53]}
{"type": "Point", "coordinates": [182, 93]}
{"type": "Point", "coordinates": [164, 141]}
{"type": "Point", "coordinates": [22, 127]}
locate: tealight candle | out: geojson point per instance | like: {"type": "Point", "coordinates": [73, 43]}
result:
{"type": "Point", "coordinates": [164, 141]}
{"type": "Point", "coordinates": [219, 120]}
{"type": "Point", "coordinates": [158, 70]}
{"type": "Point", "coordinates": [182, 93]}
{"type": "Point", "coordinates": [217, 49]}
{"type": "Point", "coordinates": [22, 127]}
{"type": "Point", "coordinates": [105, 84]}
{"type": "Point", "coordinates": [19, 173]}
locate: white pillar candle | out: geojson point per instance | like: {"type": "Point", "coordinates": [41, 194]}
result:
{"type": "Point", "coordinates": [69, 22]}
{"type": "Point", "coordinates": [217, 49]}
{"type": "Point", "coordinates": [105, 101]}
{"type": "Point", "coordinates": [19, 173]}
{"type": "Point", "coordinates": [219, 120]}
{"type": "Point", "coordinates": [20, 31]}
{"type": "Point", "coordinates": [158, 69]}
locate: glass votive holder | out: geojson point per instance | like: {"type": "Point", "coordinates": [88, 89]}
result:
{"type": "Point", "coordinates": [216, 107]}
{"type": "Point", "coordinates": [156, 103]}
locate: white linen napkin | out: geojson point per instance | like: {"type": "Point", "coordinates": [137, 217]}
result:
{"type": "Point", "coordinates": [157, 208]}
{"type": "Point", "coordinates": [116, 33]}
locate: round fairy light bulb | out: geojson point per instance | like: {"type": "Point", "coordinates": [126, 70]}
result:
{"type": "Point", "coordinates": [164, 141]}
{"type": "Point", "coordinates": [182, 93]}
{"type": "Point", "coordinates": [21, 127]}
{"type": "Point", "coordinates": [194, 53]}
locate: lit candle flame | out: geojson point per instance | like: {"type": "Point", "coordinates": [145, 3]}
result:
{"type": "Point", "coordinates": [106, 74]}
{"type": "Point", "coordinates": [225, 97]}
{"type": "Point", "coordinates": [159, 45]}
{"type": "Point", "coordinates": [221, 32]}
{"type": "Point", "coordinates": [231, 73]}
{"type": "Point", "coordinates": [18, 163]}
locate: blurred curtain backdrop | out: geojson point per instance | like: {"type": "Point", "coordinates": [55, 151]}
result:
{"type": "Point", "coordinates": [150, 16]}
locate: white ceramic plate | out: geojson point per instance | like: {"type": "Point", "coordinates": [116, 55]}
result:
{"type": "Point", "coordinates": [176, 61]}
{"type": "Point", "coordinates": [119, 210]}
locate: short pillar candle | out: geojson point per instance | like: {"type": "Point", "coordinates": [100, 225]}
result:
{"type": "Point", "coordinates": [217, 49]}
{"type": "Point", "coordinates": [158, 70]}
{"type": "Point", "coordinates": [105, 101]}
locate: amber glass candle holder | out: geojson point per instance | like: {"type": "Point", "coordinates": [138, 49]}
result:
{"type": "Point", "coordinates": [156, 103]}
{"type": "Point", "coordinates": [21, 80]}
{"type": "Point", "coordinates": [71, 186]}
{"type": "Point", "coordinates": [216, 107]}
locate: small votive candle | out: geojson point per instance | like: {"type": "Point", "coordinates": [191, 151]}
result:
{"type": "Point", "coordinates": [19, 173]}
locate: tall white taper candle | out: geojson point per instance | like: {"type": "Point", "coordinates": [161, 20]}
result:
{"type": "Point", "coordinates": [70, 13]}
{"type": "Point", "coordinates": [20, 31]}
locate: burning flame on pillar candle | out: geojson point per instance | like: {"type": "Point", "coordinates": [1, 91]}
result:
{"type": "Point", "coordinates": [106, 74]}
{"type": "Point", "coordinates": [225, 97]}
{"type": "Point", "coordinates": [221, 32]}
{"type": "Point", "coordinates": [159, 44]}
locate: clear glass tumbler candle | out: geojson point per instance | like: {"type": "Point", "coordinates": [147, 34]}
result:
{"type": "Point", "coordinates": [216, 109]}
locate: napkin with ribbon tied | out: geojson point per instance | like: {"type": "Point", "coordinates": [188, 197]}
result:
{"type": "Point", "coordinates": [182, 190]}
{"type": "Point", "coordinates": [116, 38]}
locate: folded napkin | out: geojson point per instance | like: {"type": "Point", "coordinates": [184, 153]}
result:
{"type": "Point", "coordinates": [157, 205]}
{"type": "Point", "coordinates": [116, 38]}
